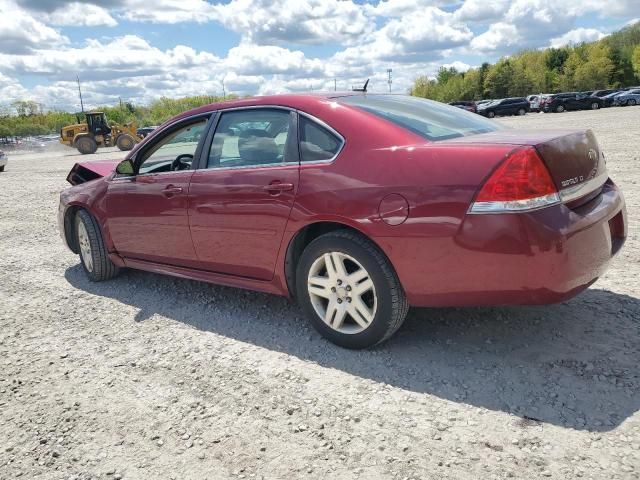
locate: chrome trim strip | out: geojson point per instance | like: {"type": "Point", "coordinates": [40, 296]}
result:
{"type": "Point", "coordinates": [242, 167]}
{"type": "Point", "coordinates": [585, 188]}
{"type": "Point", "coordinates": [515, 206]}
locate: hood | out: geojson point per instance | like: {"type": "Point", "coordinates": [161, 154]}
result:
{"type": "Point", "coordinates": [86, 171]}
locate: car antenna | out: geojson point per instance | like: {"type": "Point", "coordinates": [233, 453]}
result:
{"type": "Point", "coordinates": [363, 89]}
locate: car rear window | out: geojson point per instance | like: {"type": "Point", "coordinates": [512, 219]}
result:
{"type": "Point", "coordinates": [426, 118]}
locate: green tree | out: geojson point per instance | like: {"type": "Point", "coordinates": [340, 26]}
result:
{"type": "Point", "coordinates": [635, 60]}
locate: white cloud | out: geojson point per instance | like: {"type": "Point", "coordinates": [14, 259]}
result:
{"type": "Point", "coordinates": [80, 14]}
{"type": "Point", "coordinates": [20, 32]}
{"type": "Point", "coordinates": [576, 36]}
{"type": "Point", "coordinates": [482, 10]}
{"type": "Point", "coordinates": [295, 21]}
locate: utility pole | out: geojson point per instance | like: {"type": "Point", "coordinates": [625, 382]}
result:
{"type": "Point", "coordinates": [389, 78]}
{"type": "Point", "coordinates": [224, 93]}
{"type": "Point", "coordinates": [80, 92]}
{"type": "Point", "coordinates": [335, 85]}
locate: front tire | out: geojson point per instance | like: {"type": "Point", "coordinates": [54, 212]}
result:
{"type": "Point", "coordinates": [349, 290]}
{"type": "Point", "coordinates": [125, 142]}
{"type": "Point", "coordinates": [595, 106]}
{"type": "Point", "coordinates": [93, 253]}
{"type": "Point", "coordinates": [559, 109]}
{"type": "Point", "coordinates": [491, 114]}
{"type": "Point", "coordinates": [86, 145]}
{"type": "Point", "coordinates": [631, 102]}
{"type": "Point", "coordinates": [522, 112]}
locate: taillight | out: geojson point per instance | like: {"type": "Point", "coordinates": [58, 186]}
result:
{"type": "Point", "coordinates": [522, 182]}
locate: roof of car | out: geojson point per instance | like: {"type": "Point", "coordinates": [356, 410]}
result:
{"type": "Point", "coordinates": [292, 100]}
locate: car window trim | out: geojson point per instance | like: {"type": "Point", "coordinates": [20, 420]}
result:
{"type": "Point", "coordinates": [168, 129]}
{"type": "Point", "coordinates": [290, 150]}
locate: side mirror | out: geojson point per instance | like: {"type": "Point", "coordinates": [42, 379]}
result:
{"type": "Point", "coordinates": [125, 167]}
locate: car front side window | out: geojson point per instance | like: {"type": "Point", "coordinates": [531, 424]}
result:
{"type": "Point", "coordinates": [175, 150]}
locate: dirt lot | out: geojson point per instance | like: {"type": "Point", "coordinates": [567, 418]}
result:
{"type": "Point", "coordinates": [151, 377]}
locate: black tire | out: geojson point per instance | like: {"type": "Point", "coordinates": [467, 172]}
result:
{"type": "Point", "coordinates": [100, 266]}
{"type": "Point", "coordinates": [2, 168]}
{"type": "Point", "coordinates": [522, 112]}
{"type": "Point", "coordinates": [491, 114]}
{"type": "Point", "coordinates": [560, 109]}
{"type": "Point", "coordinates": [86, 145]}
{"type": "Point", "coordinates": [631, 102]}
{"type": "Point", "coordinates": [392, 304]}
{"type": "Point", "coordinates": [125, 142]}
{"type": "Point", "coordinates": [595, 106]}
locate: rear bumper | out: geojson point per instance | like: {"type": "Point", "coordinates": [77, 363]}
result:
{"type": "Point", "coordinates": [540, 257]}
{"type": "Point", "coordinates": [4, 160]}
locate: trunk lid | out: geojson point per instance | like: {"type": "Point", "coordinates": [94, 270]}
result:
{"type": "Point", "coordinates": [573, 158]}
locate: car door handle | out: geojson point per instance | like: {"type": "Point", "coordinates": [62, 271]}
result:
{"type": "Point", "coordinates": [278, 187]}
{"type": "Point", "coordinates": [171, 190]}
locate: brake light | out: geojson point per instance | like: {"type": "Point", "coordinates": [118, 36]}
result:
{"type": "Point", "coordinates": [521, 183]}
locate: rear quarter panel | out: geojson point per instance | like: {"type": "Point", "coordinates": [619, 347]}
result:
{"type": "Point", "coordinates": [438, 181]}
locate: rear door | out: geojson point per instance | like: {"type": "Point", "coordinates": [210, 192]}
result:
{"type": "Point", "coordinates": [241, 196]}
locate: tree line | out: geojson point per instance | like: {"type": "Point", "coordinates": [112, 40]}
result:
{"type": "Point", "coordinates": [612, 62]}
{"type": "Point", "coordinates": [29, 119]}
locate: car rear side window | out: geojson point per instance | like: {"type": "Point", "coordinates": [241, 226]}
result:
{"type": "Point", "coordinates": [252, 137]}
{"type": "Point", "coordinates": [429, 119]}
{"type": "Point", "coordinates": [317, 143]}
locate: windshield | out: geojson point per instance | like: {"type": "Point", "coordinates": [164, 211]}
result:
{"type": "Point", "coordinates": [426, 118]}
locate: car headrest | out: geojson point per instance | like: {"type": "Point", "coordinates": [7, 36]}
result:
{"type": "Point", "coordinates": [255, 150]}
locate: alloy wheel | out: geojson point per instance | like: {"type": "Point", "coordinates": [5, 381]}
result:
{"type": "Point", "coordinates": [85, 247]}
{"type": "Point", "coordinates": [342, 292]}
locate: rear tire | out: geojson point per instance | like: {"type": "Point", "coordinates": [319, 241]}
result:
{"type": "Point", "coordinates": [559, 109]}
{"type": "Point", "coordinates": [2, 168]}
{"type": "Point", "coordinates": [522, 112]}
{"type": "Point", "coordinates": [86, 145]}
{"type": "Point", "coordinates": [93, 253]}
{"type": "Point", "coordinates": [349, 290]}
{"type": "Point", "coordinates": [491, 114]}
{"type": "Point", "coordinates": [125, 142]}
{"type": "Point", "coordinates": [595, 106]}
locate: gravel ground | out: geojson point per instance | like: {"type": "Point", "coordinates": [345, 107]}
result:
{"type": "Point", "coordinates": [152, 377]}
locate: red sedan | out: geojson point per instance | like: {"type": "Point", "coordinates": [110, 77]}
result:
{"type": "Point", "coordinates": [358, 205]}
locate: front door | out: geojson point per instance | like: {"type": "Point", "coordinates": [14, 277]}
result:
{"type": "Point", "coordinates": [241, 198]}
{"type": "Point", "coordinates": [148, 211]}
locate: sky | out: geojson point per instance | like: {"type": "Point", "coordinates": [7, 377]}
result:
{"type": "Point", "coordinates": [140, 50]}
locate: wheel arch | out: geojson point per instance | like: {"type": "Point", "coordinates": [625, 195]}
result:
{"type": "Point", "coordinates": [69, 224]}
{"type": "Point", "coordinates": [305, 235]}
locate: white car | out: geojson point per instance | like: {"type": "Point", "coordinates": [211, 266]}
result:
{"type": "Point", "coordinates": [3, 160]}
{"type": "Point", "coordinates": [630, 97]}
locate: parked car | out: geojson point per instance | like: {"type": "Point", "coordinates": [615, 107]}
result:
{"type": "Point", "coordinates": [3, 160]}
{"type": "Point", "coordinates": [357, 205]}
{"type": "Point", "coordinates": [144, 131]}
{"type": "Point", "coordinates": [604, 93]}
{"type": "Point", "coordinates": [609, 100]}
{"type": "Point", "coordinates": [505, 106]}
{"type": "Point", "coordinates": [468, 106]}
{"type": "Point", "coordinates": [561, 102]}
{"type": "Point", "coordinates": [627, 98]}
{"type": "Point", "coordinates": [534, 102]}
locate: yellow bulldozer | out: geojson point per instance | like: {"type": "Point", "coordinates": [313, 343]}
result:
{"type": "Point", "coordinates": [96, 132]}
